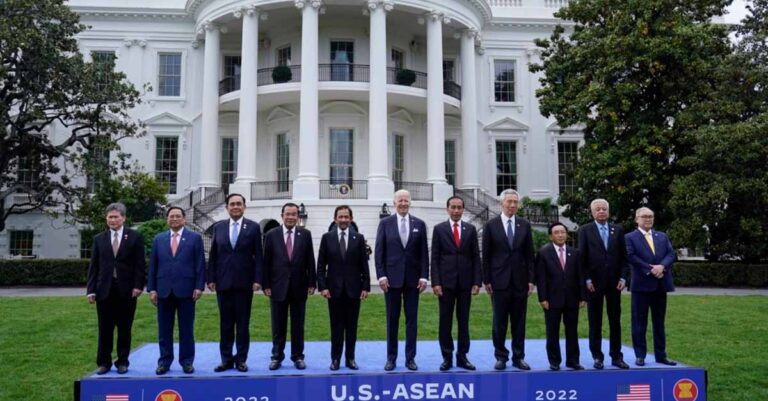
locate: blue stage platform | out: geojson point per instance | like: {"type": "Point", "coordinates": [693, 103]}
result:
{"type": "Point", "coordinates": [653, 382]}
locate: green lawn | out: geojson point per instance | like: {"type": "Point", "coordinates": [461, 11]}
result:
{"type": "Point", "coordinates": [47, 343]}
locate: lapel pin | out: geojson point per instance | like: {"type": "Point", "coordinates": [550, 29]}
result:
{"type": "Point", "coordinates": [125, 236]}
{"type": "Point", "coordinates": [415, 230]}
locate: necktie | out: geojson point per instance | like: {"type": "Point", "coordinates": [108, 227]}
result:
{"type": "Point", "coordinates": [456, 238]}
{"type": "Point", "coordinates": [289, 246]}
{"type": "Point", "coordinates": [174, 243]}
{"type": "Point", "coordinates": [510, 234]}
{"type": "Point", "coordinates": [403, 232]}
{"type": "Point", "coordinates": [115, 243]}
{"type": "Point", "coordinates": [604, 236]}
{"type": "Point", "coordinates": [649, 240]}
{"type": "Point", "coordinates": [562, 257]}
{"type": "Point", "coordinates": [343, 246]}
{"type": "Point", "coordinates": [233, 235]}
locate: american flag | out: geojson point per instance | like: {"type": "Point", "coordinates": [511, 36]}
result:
{"type": "Point", "coordinates": [633, 392]}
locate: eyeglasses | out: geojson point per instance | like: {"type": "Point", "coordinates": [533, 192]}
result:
{"type": "Point", "coordinates": [646, 217]}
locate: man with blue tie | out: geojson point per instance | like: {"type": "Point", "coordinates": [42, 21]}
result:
{"type": "Point", "coordinates": [402, 267]}
{"type": "Point", "coordinates": [176, 281]}
{"type": "Point", "coordinates": [235, 272]}
{"type": "Point", "coordinates": [604, 260]}
{"type": "Point", "coordinates": [651, 255]}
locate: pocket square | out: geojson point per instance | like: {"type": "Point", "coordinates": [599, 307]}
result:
{"type": "Point", "coordinates": [415, 230]}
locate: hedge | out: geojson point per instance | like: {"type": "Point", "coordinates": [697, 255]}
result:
{"type": "Point", "coordinates": [65, 272]}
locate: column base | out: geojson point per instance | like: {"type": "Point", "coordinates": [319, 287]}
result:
{"type": "Point", "coordinates": [242, 188]}
{"type": "Point", "coordinates": [441, 192]}
{"type": "Point", "coordinates": [381, 190]}
{"type": "Point", "coordinates": [306, 189]}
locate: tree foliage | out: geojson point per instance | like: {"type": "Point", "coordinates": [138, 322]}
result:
{"type": "Point", "coordinates": [47, 88]}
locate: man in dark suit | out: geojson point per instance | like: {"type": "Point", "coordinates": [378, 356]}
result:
{"type": "Point", "coordinates": [561, 293]}
{"type": "Point", "coordinates": [235, 272]}
{"type": "Point", "coordinates": [402, 267]}
{"type": "Point", "coordinates": [651, 255]}
{"type": "Point", "coordinates": [176, 281]}
{"type": "Point", "coordinates": [116, 277]}
{"type": "Point", "coordinates": [604, 260]}
{"type": "Point", "coordinates": [508, 277]}
{"type": "Point", "coordinates": [289, 277]}
{"type": "Point", "coordinates": [343, 279]}
{"type": "Point", "coordinates": [456, 277]}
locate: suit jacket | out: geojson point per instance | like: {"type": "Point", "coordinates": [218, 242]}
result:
{"type": "Point", "coordinates": [239, 267]}
{"type": "Point", "coordinates": [403, 266]}
{"type": "Point", "coordinates": [129, 264]}
{"type": "Point", "coordinates": [562, 289]}
{"type": "Point", "coordinates": [641, 258]}
{"type": "Point", "coordinates": [349, 274]}
{"type": "Point", "coordinates": [282, 274]}
{"type": "Point", "coordinates": [455, 267]}
{"type": "Point", "coordinates": [179, 275]}
{"type": "Point", "coordinates": [605, 267]}
{"type": "Point", "coordinates": [505, 267]}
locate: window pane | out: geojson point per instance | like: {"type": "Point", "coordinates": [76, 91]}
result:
{"type": "Point", "coordinates": [21, 243]}
{"type": "Point", "coordinates": [166, 161]}
{"type": "Point", "coordinates": [169, 74]}
{"type": "Point", "coordinates": [284, 55]}
{"type": "Point", "coordinates": [398, 59]}
{"type": "Point", "coordinates": [283, 162]}
{"type": "Point", "coordinates": [450, 162]}
{"type": "Point", "coordinates": [567, 155]}
{"type": "Point", "coordinates": [397, 160]}
{"type": "Point", "coordinates": [506, 165]}
{"type": "Point", "coordinates": [228, 162]}
{"type": "Point", "coordinates": [504, 81]}
{"type": "Point", "coordinates": [341, 156]}
{"type": "Point", "coordinates": [448, 70]}
{"type": "Point", "coordinates": [26, 171]}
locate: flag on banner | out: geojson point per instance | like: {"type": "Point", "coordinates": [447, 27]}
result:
{"type": "Point", "coordinates": [633, 392]}
{"type": "Point", "coordinates": [116, 397]}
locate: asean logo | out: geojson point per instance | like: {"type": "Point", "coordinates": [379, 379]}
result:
{"type": "Point", "coordinates": [168, 395]}
{"type": "Point", "coordinates": [685, 390]}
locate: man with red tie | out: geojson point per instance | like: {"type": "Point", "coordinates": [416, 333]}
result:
{"type": "Point", "coordinates": [456, 277]}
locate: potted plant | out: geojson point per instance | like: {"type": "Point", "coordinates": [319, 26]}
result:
{"type": "Point", "coordinates": [405, 77]}
{"type": "Point", "coordinates": [281, 73]}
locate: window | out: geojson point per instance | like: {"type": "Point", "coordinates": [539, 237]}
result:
{"type": "Point", "coordinates": [232, 72]}
{"type": "Point", "coordinates": [166, 161]}
{"type": "Point", "coordinates": [567, 155]}
{"type": "Point", "coordinates": [449, 70]}
{"type": "Point", "coordinates": [27, 171]}
{"type": "Point", "coordinates": [284, 56]}
{"type": "Point", "coordinates": [283, 162]}
{"type": "Point", "coordinates": [228, 162]}
{"type": "Point", "coordinates": [104, 58]}
{"type": "Point", "coordinates": [98, 160]}
{"type": "Point", "coordinates": [21, 242]}
{"type": "Point", "coordinates": [342, 58]}
{"type": "Point", "coordinates": [397, 160]}
{"type": "Point", "coordinates": [104, 61]}
{"type": "Point", "coordinates": [86, 243]}
{"type": "Point", "coordinates": [169, 74]}
{"type": "Point", "coordinates": [398, 59]}
{"type": "Point", "coordinates": [506, 165]}
{"type": "Point", "coordinates": [504, 81]}
{"type": "Point", "coordinates": [450, 162]}
{"type": "Point", "coordinates": [341, 156]}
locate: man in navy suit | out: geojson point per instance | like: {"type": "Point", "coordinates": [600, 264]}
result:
{"type": "Point", "coordinates": [235, 272]}
{"type": "Point", "coordinates": [561, 293]}
{"type": "Point", "coordinates": [508, 277]}
{"type": "Point", "coordinates": [604, 260]}
{"type": "Point", "coordinates": [456, 277]}
{"type": "Point", "coordinates": [176, 281]}
{"type": "Point", "coordinates": [116, 277]}
{"type": "Point", "coordinates": [402, 267]}
{"type": "Point", "coordinates": [343, 279]}
{"type": "Point", "coordinates": [651, 255]}
{"type": "Point", "coordinates": [289, 277]}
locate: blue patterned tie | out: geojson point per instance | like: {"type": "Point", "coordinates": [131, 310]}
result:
{"type": "Point", "coordinates": [510, 234]}
{"type": "Point", "coordinates": [604, 235]}
{"type": "Point", "coordinates": [233, 236]}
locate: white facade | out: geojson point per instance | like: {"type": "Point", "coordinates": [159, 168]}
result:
{"type": "Point", "coordinates": [344, 56]}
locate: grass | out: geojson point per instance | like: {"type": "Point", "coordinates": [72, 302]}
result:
{"type": "Point", "coordinates": [46, 343]}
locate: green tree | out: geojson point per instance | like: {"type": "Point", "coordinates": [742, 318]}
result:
{"type": "Point", "coordinates": [55, 108]}
{"type": "Point", "coordinates": [631, 73]}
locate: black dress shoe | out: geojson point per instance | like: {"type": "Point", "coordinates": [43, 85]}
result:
{"type": "Point", "coordinates": [521, 365]}
{"type": "Point", "coordinates": [299, 364]}
{"type": "Point", "coordinates": [411, 365]}
{"type": "Point", "coordinates": [188, 368]}
{"type": "Point", "coordinates": [102, 370]}
{"type": "Point", "coordinates": [464, 363]}
{"type": "Point", "coordinates": [447, 364]}
{"type": "Point", "coordinates": [500, 365]}
{"type": "Point", "coordinates": [390, 365]}
{"type": "Point", "coordinates": [619, 363]}
{"type": "Point", "coordinates": [574, 366]}
{"type": "Point", "coordinates": [598, 364]}
{"type": "Point", "coordinates": [554, 367]}
{"type": "Point", "coordinates": [223, 367]}
{"type": "Point", "coordinates": [241, 366]}
{"type": "Point", "coordinates": [275, 364]}
{"type": "Point", "coordinates": [161, 370]}
{"type": "Point", "coordinates": [640, 361]}
{"type": "Point", "coordinates": [335, 364]}
{"type": "Point", "coordinates": [351, 364]}
{"type": "Point", "coordinates": [666, 361]}
{"type": "Point", "coordinates": [122, 369]}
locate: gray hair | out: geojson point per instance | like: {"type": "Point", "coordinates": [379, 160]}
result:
{"type": "Point", "coordinates": [639, 211]}
{"type": "Point", "coordinates": [119, 207]}
{"type": "Point", "coordinates": [598, 201]}
{"type": "Point", "coordinates": [506, 192]}
{"type": "Point", "coordinates": [402, 192]}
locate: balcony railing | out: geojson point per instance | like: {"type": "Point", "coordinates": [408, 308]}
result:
{"type": "Point", "coordinates": [267, 190]}
{"type": "Point", "coordinates": [338, 73]}
{"type": "Point", "coordinates": [349, 189]}
{"type": "Point", "coordinates": [419, 191]}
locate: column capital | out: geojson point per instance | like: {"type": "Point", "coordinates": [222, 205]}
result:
{"type": "Point", "coordinates": [209, 26]}
{"type": "Point", "coordinates": [249, 10]}
{"type": "Point", "coordinates": [195, 44]}
{"type": "Point", "coordinates": [316, 4]}
{"type": "Point", "coordinates": [434, 15]}
{"type": "Point", "coordinates": [471, 33]}
{"type": "Point", "coordinates": [386, 5]}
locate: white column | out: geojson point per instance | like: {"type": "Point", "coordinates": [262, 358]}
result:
{"type": "Point", "coordinates": [435, 108]}
{"type": "Point", "coordinates": [210, 145]}
{"type": "Point", "coordinates": [469, 153]}
{"type": "Point", "coordinates": [246, 136]}
{"type": "Point", "coordinates": [380, 185]}
{"type": "Point", "coordinates": [306, 185]}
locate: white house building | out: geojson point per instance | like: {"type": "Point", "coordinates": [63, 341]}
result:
{"type": "Point", "coordinates": [324, 103]}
